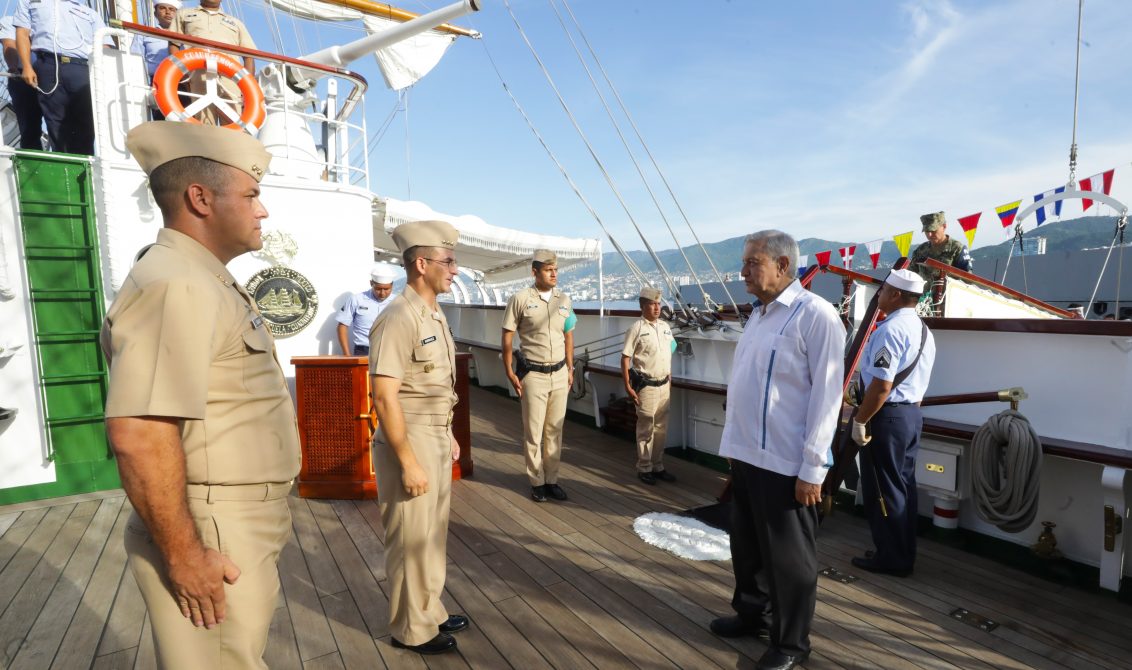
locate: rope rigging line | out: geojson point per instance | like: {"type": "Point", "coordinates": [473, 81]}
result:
{"type": "Point", "coordinates": [625, 143]}
{"type": "Point", "coordinates": [1118, 234]}
{"type": "Point", "coordinates": [652, 159]}
{"type": "Point", "coordinates": [637, 273]}
{"type": "Point", "coordinates": [672, 288]}
{"type": "Point", "coordinates": [1006, 470]}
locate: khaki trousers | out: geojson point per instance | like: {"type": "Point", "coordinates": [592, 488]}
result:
{"type": "Point", "coordinates": [544, 411]}
{"type": "Point", "coordinates": [416, 532]}
{"type": "Point", "coordinates": [251, 534]}
{"type": "Point", "coordinates": [228, 91]}
{"type": "Point", "coordinates": [652, 427]}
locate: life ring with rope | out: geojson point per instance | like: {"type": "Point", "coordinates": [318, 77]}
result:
{"type": "Point", "coordinates": [177, 66]}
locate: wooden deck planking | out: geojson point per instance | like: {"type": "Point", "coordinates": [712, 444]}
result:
{"type": "Point", "coordinates": [551, 585]}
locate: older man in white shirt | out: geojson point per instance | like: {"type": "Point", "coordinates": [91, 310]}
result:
{"type": "Point", "coordinates": [783, 401]}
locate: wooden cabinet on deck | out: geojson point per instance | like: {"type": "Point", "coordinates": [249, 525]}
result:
{"type": "Point", "coordinates": [335, 426]}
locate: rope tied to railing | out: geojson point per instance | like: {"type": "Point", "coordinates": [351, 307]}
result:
{"type": "Point", "coordinates": [1006, 468]}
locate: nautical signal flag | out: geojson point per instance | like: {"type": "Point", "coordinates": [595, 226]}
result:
{"type": "Point", "coordinates": [874, 251]}
{"type": "Point", "coordinates": [803, 261]}
{"type": "Point", "coordinates": [847, 255]}
{"type": "Point", "coordinates": [1041, 213]}
{"type": "Point", "coordinates": [903, 242]}
{"type": "Point", "coordinates": [1007, 212]}
{"type": "Point", "coordinates": [823, 257]}
{"type": "Point", "coordinates": [969, 223]}
{"type": "Point", "coordinates": [1100, 182]}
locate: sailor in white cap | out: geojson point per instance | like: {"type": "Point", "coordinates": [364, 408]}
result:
{"type": "Point", "coordinates": [155, 49]}
{"type": "Point", "coordinates": [361, 309]}
{"type": "Point", "coordinates": [895, 370]}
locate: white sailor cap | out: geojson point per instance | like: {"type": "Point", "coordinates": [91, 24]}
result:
{"type": "Point", "coordinates": [906, 280]}
{"type": "Point", "coordinates": [383, 273]}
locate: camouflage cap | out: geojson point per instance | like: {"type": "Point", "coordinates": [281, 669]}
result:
{"type": "Point", "coordinates": [932, 221]}
{"type": "Point", "coordinates": [651, 294]}
{"type": "Point", "coordinates": [155, 143]}
{"type": "Point", "coordinates": [545, 256]}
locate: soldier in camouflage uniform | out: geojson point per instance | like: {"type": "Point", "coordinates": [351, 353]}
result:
{"type": "Point", "coordinates": [939, 246]}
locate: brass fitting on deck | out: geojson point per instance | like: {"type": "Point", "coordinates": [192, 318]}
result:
{"type": "Point", "coordinates": [1013, 395]}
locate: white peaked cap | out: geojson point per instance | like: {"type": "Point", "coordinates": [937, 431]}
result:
{"type": "Point", "coordinates": [906, 280]}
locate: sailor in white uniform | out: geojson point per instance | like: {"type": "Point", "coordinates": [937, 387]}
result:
{"type": "Point", "coordinates": [895, 369]}
{"type": "Point", "coordinates": [361, 309]}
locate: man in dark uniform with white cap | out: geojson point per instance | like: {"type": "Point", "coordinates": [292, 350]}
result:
{"type": "Point", "coordinates": [360, 310]}
{"type": "Point", "coordinates": [198, 411]}
{"type": "Point", "coordinates": [895, 369]}
{"type": "Point", "coordinates": [646, 367]}
{"type": "Point", "coordinates": [412, 363]}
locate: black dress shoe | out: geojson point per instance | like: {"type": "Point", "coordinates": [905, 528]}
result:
{"type": "Point", "coordinates": [6, 413]}
{"type": "Point", "coordinates": [555, 491]}
{"type": "Point", "coordinates": [438, 645]}
{"type": "Point", "coordinates": [774, 659]}
{"type": "Point", "coordinates": [664, 476]}
{"type": "Point", "coordinates": [454, 624]}
{"type": "Point", "coordinates": [869, 564]}
{"type": "Point", "coordinates": [538, 493]}
{"type": "Point", "coordinates": [734, 626]}
{"type": "Point", "coordinates": [647, 477]}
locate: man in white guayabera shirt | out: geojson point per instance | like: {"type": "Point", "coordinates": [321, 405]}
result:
{"type": "Point", "coordinates": [783, 401]}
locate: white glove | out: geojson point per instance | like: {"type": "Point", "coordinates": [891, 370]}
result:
{"type": "Point", "coordinates": [861, 433]}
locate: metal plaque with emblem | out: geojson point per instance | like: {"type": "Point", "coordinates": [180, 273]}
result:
{"type": "Point", "coordinates": [286, 299]}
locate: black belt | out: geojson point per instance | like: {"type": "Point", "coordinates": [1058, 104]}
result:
{"type": "Point", "coordinates": [62, 59]}
{"type": "Point", "coordinates": [546, 369]}
{"type": "Point", "coordinates": [649, 381]}
{"type": "Point", "coordinates": [899, 404]}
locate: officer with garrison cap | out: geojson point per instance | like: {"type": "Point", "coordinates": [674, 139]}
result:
{"type": "Point", "coordinates": [61, 35]}
{"type": "Point", "coordinates": [646, 366]}
{"type": "Point", "coordinates": [198, 412]}
{"type": "Point", "coordinates": [412, 363]}
{"type": "Point", "coordinates": [361, 309]}
{"type": "Point", "coordinates": [544, 318]}
{"type": "Point", "coordinates": [896, 367]}
{"type": "Point", "coordinates": [940, 246]}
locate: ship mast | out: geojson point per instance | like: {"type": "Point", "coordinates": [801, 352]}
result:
{"type": "Point", "coordinates": [1076, 88]}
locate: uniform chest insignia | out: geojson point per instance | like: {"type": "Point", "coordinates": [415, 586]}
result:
{"type": "Point", "coordinates": [430, 338]}
{"type": "Point", "coordinates": [257, 322]}
{"type": "Point", "coordinates": [883, 359]}
{"type": "Point", "coordinates": [562, 309]}
{"type": "Point", "coordinates": [424, 312]}
{"type": "Point", "coordinates": [532, 305]}
{"type": "Point", "coordinates": [362, 308]}
{"type": "Point", "coordinates": [428, 367]}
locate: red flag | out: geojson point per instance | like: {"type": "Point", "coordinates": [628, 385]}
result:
{"type": "Point", "coordinates": [968, 224]}
{"type": "Point", "coordinates": [847, 254]}
{"type": "Point", "coordinates": [1102, 181]}
{"type": "Point", "coordinates": [823, 257]}
{"type": "Point", "coordinates": [874, 248]}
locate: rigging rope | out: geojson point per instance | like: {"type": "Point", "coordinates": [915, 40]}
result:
{"type": "Point", "coordinates": [652, 159]}
{"type": "Point", "coordinates": [672, 288]}
{"type": "Point", "coordinates": [1118, 234]}
{"type": "Point", "coordinates": [1006, 468]}
{"type": "Point", "coordinates": [637, 273]}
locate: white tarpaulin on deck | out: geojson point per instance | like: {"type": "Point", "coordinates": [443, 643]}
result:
{"type": "Point", "coordinates": [501, 254]}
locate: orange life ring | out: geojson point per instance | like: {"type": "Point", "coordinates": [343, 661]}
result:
{"type": "Point", "coordinates": [176, 66]}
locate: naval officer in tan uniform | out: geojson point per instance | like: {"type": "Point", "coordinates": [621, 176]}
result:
{"type": "Point", "coordinates": [646, 369]}
{"type": "Point", "coordinates": [208, 22]}
{"type": "Point", "coordinates": [198, 412]}
{"type": "Point", "coordinates": [412, 363]}
{"type": "Point", "coordinates": [544, 318]}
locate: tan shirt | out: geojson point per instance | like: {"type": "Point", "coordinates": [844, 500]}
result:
{"type": "Point", "coordinates": [412, 343]}
{"type": "Point", "coordinates": [184, 340]}
{"type": "Point", "coordinates": [649, 346]}
{"type": "Point", "coordinates": [539, 323]}
{"type": "Point", "coordinates": [217, 26]}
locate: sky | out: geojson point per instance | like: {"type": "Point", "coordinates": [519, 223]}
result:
{"type": "Point", "coordinates": [823, 118]}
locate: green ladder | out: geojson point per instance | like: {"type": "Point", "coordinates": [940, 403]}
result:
{"type": "Point", "coordinates": [56, 200]}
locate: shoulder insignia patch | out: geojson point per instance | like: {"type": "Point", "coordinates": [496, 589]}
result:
{"type": "Point", "coordinates": [883, 359]}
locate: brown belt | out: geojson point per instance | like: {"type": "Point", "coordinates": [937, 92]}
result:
{"type": "Point", "coordinates": [429, 419]}
{"type": "Point", "coordinates": [233, 492]}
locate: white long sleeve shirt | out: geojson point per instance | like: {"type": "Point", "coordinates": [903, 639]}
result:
{"type": "Point", "coordinates": [784, 396]}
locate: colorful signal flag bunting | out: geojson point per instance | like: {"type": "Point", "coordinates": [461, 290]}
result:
{"type": "Point", "coordinates": [1100, 182]}
{"type": "Point", "coordinates": [969, 223]}
{"type": "Point", "coordinates": [847, 255]}
{"type": "Point", "coordinates": [874, 251]}
{"type": "Point", "coordinates": [1007, 212]}
{"type": "Point", "coordinates": [823, 257]}
{"type": "Point", "coordinates": [903, 242]}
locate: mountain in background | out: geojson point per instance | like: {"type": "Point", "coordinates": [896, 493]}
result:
{"type": "Point", "coordinates": [1087, 232]}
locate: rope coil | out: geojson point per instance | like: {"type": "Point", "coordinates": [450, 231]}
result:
{"type": "Point", "coordinates": [1006, 468]}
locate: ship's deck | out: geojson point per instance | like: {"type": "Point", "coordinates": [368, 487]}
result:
{"type": "Point", "coordinates": [546, 585]}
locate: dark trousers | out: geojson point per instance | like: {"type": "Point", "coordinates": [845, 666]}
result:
{"type": "Point", "coordinates": [361, 350]}
{"type": "Point", "coordinates": [67, 109]}
{"type": "Point", "coordinates": [888, 469]}
{"type": "Point", "coordinates": [774, 555]}
{"type": "Point", "coordinates": [25, 103]}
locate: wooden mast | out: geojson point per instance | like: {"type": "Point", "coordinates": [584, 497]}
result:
{"type": "Point", "coordinates": [392, 13]}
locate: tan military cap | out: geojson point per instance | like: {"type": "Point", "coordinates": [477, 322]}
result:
{"type": "Point", "coordinates": [932, 221]}
{"type": "Point", "coordinates": [156, 143]}
{"type": "Point", "coordinates": [425, 234]}
{"type": "Point", "coordinates": [651, 294]}
{"type": "Point", "coordinates": [545, 256]}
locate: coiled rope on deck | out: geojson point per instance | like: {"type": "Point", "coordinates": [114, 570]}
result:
{"type": "Point", "coordinates": [1006, 468]}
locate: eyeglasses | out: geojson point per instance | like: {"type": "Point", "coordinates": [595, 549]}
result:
{"type": "Point", "coordinates": [449, 263]}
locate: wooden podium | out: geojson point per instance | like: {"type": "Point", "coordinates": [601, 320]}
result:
{"type": "Point", "coordinates": [337, 421]}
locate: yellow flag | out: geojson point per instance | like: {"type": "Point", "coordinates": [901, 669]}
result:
{"type": "Point", "coordinates": [903, 242]}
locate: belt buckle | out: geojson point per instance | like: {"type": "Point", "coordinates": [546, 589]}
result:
{"type": "Point", "coordinates": [451, 413]}
{"type": "Point", "coordinates": [64, 59]}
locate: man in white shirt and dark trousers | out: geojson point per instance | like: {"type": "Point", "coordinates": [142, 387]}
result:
{"type": "Point", "coordinates": [895, 369]}
{"type": "Point", "coordinates": [783, 402]}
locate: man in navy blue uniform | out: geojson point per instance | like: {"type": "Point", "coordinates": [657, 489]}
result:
{"type": "Point", "coordinates": [896, 367]}
{"type": "Point", "coordinates": [25, 101]}
{"type": "Point", "coordinates": [61, 35]}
